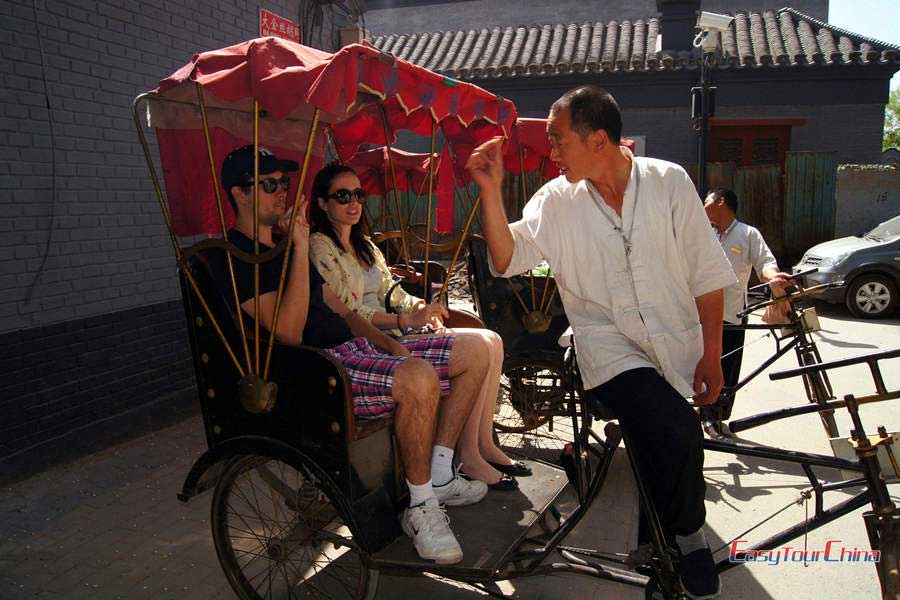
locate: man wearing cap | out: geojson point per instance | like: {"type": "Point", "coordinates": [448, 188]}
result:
{"type": "Point", "coordinates": [404, 378]}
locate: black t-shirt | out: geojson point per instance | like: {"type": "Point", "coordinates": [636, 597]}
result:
{"type": "Point", "coordinates": [324, 327]}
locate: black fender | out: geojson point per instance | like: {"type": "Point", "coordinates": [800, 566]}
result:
{"type": "Point", "coordinates": [195, 483]}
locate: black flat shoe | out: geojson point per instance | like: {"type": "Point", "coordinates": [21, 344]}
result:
{"type": "Point", "coordinates": [505, 484]}
{"type": "Point", "coordinates": [517, 469]}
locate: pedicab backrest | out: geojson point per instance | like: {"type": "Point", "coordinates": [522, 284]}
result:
{"type": "Point", "coordinates": [313, 407]}
{"type": "Point", "coordinates": [501, 310]}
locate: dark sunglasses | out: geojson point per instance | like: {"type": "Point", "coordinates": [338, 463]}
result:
{"type": "Point", "coordinates": [270, 184]}
{"type": "Point", "coordinates": [344, 196]}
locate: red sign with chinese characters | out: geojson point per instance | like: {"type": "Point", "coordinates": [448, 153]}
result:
{"type": "Point", "coordinates": [272, 24]}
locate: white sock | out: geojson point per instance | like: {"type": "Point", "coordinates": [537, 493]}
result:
{"type": "Point", "coordinates": [691, 542]}
{"type": "Point", "coordinates": [441, 465]}
{"type": "Point", "coordinates": [418, 494]}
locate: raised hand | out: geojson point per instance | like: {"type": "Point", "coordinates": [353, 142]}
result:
{"type": "Point", "coordinates": [485, 165]}
{"type": "Point", "coordinates": [300, 229]}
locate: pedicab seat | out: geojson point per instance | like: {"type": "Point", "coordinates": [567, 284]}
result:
{"type": "Point", "coordinates": [311, 411]}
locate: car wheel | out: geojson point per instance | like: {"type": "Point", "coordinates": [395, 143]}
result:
{"type": "Point", "coordinates": [872, 296]}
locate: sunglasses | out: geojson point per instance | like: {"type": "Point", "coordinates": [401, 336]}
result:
{"type": "Point", "coordinates": [270, 184]}
{"type": "Point", "coordinates": [344, 196]}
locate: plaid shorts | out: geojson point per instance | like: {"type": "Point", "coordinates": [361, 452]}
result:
{"type": "Point", "coordinates": [371, 370]}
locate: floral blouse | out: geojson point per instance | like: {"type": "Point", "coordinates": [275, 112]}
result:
{"type": "Point", "coordinates": [346, 277]}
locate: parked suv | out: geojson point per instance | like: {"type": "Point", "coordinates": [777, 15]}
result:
{"type": "Point", "coordinates": [867, 266]}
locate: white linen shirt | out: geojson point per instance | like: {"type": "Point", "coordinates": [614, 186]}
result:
{"type": "Point", "coordinates": [745, 249]}
{"type": "Point", "coordinates": [635, 311]}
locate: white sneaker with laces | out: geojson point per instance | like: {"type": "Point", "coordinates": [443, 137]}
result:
{"type": "Point", "coordinates": [460, 491]}
{"type": "Point", "coordinates": [429, 527]}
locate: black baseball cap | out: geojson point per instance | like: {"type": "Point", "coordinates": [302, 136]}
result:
{"type": "Point", "coordinates": [237, 168]}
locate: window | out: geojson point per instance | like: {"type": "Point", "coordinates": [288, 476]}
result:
{"type": "Point", "coordinates": [750, 141]}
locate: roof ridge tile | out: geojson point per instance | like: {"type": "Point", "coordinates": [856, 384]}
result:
{"type": "Point", "coordinates": [785, 38]}
{"type": "Point", "coordinates": [607, 61]}
{"type": "Point", "coordinates": [623, 50]}
{"type": "Point", "coordinates": [596, 48]}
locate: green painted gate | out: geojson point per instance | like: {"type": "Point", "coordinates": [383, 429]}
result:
{"type": "Point", "coordinates": [809, 198]}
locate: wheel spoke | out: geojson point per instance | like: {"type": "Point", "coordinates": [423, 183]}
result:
{"type": "Point", "coordinates": [281, 537]}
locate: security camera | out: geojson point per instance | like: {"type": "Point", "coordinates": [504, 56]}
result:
{"type": "Point", "coordinates": [710, 25]}
{"type": "Point", "coordinates": [708, 21]}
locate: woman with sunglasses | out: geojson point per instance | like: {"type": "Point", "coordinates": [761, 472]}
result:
{"type": "Point", "coordinates": [355, 270]}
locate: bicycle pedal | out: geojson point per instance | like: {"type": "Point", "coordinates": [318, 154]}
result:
{"type": "Point", "coordinates": [639, 559]}
{"type": "Point", "coordinates": [717, 430]}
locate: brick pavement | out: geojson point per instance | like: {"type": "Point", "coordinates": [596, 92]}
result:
{"type": "Point", "coordinates": [109, 526]}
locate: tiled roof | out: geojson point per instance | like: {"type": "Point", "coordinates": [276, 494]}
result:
{"type": "Point", "coordinates": [782, 38]}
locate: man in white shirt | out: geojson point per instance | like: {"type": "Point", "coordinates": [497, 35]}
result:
{"type": "Point", "coordinates": [746, 250]}
{"type": "Point", "coordinates": [640, 275]}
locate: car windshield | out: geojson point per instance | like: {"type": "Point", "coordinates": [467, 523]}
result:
{"type": "Point", "coordinates": [888, 229]}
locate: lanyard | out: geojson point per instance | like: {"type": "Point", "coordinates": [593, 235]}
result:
{"type": "Point", "coordinates": [725, 233]}
{"type": "Point", "coordinates": [601, 204]}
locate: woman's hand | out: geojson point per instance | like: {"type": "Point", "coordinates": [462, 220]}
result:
{"type": "Point", "coordinates": [428, 314]}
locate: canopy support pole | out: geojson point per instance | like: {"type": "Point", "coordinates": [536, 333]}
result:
{"type": "Point", "coordinates": [216, 188]}
{"type": "Point", "coordinates": [459, 246]}
{"type": "Point", "coordinates": [524, 195]}
{"type": "Point", "coordinates": [179, 257]}
{"type": "Point", "coordinates": [310, 141]}
{"type": "Point", "coordinates": [427, 284]}
{"type": "Point", "coordinates": [256, 236]}
{"type": "Point", "coordinates": [387, 142]}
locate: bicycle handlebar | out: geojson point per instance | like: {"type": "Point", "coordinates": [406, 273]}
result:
{"type": "Point", "coordinates": [800, 293]}
{"type": "Point", "coordinates": [793, 275]}
{"type": "Point", "coordinates": [865, 358]}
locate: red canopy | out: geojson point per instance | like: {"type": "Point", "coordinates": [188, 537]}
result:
{"type": "Point", "coordinates": [530, 139]}
{"type": "Point", "coordinates": [374, 170]}
{"type": "Point", "coordinates": [290, 81]}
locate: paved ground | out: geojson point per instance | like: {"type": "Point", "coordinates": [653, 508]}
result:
{"type": "Point", "coordinates": [109, 525]}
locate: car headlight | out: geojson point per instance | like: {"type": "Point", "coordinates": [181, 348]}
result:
{"type": "Point", "coordinates": [833, 261]}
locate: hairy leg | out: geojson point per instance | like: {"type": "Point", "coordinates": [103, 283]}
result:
{"type": "Point", "coordinates": [416, 391]}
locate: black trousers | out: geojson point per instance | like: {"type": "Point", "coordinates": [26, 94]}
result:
{"type": "Point", "coordinates": [667, 443]}
{"type": "Point", "coordinates": [732, 355]}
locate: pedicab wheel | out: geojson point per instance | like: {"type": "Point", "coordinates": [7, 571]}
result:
{"type": "Point", "coordinates": [819, 394]}
{"type": "Point", "coordinates": [531, 409]}
{"type": "Point", "coordinates": [283, 531]}
{"type": "Point", "coordinates": [884, 535]}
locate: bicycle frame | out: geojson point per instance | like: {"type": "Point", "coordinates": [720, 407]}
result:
{"type": "Point", "coordinates": [816, 385]}
{"type": "Point", "coordinates": [882, 522]}
{"type": "Point", "coordinates": [799, 341]}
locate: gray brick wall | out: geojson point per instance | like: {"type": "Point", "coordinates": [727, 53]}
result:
{"type": "Point", "coordinates": [865, 196]}
{"type": "Point", "coordinates": [91, 324]}
{"type": "Point", "coordinates": [852, 132]}
{"type": "Point", "coordinates": [488, 13]}
{"type": "Point", "coordinates": [97, 220]}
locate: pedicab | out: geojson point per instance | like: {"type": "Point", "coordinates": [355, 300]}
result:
{"type": "Point", "coordinates": [306, 496]}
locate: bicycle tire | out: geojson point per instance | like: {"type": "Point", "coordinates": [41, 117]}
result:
{"type": "Point", "coordinates": [817, 386]}
{"type": "Point", "coordinates": [884, 535]}
{"type": "Point", "coordinates": [279, 527]}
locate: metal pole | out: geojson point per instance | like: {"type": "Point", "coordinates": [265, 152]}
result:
{"type": "Point", "coordinates": [704, 124]}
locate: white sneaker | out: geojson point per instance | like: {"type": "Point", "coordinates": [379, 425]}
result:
{"type": "Point", "coordinates": [460, 491]}
{"type": "Point", "coordinates": [429, 527]}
